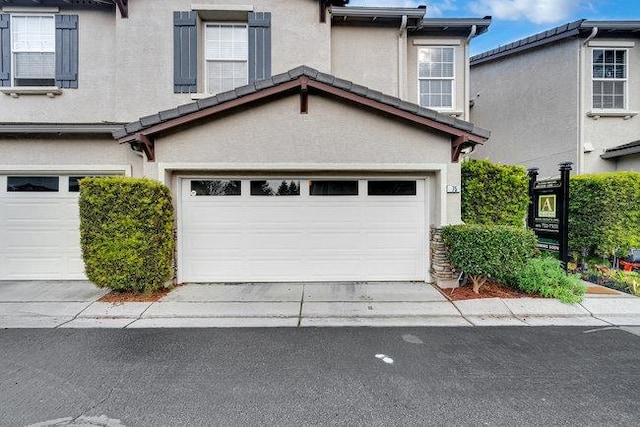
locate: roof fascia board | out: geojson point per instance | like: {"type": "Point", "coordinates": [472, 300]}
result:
{"type": "Point", "coordinates": [376, 12]}
{"type": "Point", "coordinates": [612, 25]}
{"type": "Point", "coordinates": [39, 128]}
{"type": "Point", "coordinates": [538, 43]}
{"type": "Point", "coordinates": [620, 153]}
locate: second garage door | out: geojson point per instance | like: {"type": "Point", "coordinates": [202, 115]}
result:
{"type": "Point", "coordinates": [295, 229]}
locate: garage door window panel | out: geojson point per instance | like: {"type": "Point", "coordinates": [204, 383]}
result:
{"type": "Point", "coordinates": [333, 188]}
{"type": "Point", "coordinates": [275, 187]}
{"type": "Point", "coordinates": [391, 188]}
{"type": "Point", "coordinates": [216, 187]}
{"type": "Point", "coordinates": [39, 184]}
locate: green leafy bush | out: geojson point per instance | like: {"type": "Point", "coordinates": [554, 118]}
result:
{"type": "Point", "coordinates": [489, 251]}
{"type": "Point", "coordinates": [494, 194]}
{"type": "Point", "coordinates": [545, 276]}
{"type": "Point", "coordinates": [625, 281]}
{"type": "Point", "coordinates": [126, 233]}
{"type": "Point", "coordinates": [604, 213]}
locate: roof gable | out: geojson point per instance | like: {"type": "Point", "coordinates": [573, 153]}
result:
{"type": "Point", "coordinates": [140, 134]}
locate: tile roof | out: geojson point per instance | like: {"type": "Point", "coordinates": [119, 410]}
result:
{"type": "Point", "coordinates": [290, 76]}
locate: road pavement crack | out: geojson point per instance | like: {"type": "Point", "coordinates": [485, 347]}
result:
{"type": "Point", "coordinates": [100, 402]}
{"type": "Point", "coordinates": [301, 303]}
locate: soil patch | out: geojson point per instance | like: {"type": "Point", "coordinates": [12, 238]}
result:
{"type": "Point", "coordinates": [115, 296]}
{"type": "Point", "coordinates": [599, 290]}
{"type": "Point", "coordinates": [488, 290]}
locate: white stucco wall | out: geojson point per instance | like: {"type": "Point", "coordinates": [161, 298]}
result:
{"type": "Point", "coordinates": [367, 56]}
{"type": "Point", "coordinates": [93, 101]}
{"type": "Point", "coordinates": [333, 138]}
{"type": "Point", "coordinates": [609, 132]}
{"type": "Point", "coordinates": [629, 163]}
{"type": "Point", "coordinates": [67, 154]}
{"type": "Point", "coordinates": [126, 65]}
{"type": "Point", "coordinates": [529, 102]}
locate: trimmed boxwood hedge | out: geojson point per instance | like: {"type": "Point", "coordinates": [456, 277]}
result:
{"type": "Point", "coordinates": [126, 233]}
{"type": "Point", "coordinates": [493, 193]}
{"type": "Point", "coordinates": [604, 213]}
{"type": "Point", "coordinates": [499, 252]}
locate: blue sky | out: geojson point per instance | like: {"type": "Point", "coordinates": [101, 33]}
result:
{"type": "Point", "coordinates": [515, 19]}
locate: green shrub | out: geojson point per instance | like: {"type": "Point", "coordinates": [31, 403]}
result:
{"type": "Point", "coordinates": [604, 213]}
{"type": "Point", "coordinates": [126, 233]}
{"type": "Point", "coordinates": [494, 194]}
{"type": "Point", "coordinates": [489, 251]}
{"type": "Point", "coordinates": [625, 281]}
{"type": "Point", "coordinates": [545, 276]}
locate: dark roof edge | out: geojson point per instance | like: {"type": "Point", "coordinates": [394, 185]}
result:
{"type": "Point", "coordinates": [553, 35]}
{"type": "Point", "coordinates": [550, 36]}
{"type": "Point", "coordinates": [284, 79]}
{"type": "Point", "coordinates": [621, 150]}
{"type": "Point", "coordinates": [59, 128]}
{"type": "Point", "coordinates": [482, 24]}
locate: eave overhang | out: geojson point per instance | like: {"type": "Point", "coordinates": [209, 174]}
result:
{"type": "Point", "coordinates": [621, 150]}
{"type": "Point", "coordinates": [24, 129]}
{"type": "Point", "coordinates": [303, 81]}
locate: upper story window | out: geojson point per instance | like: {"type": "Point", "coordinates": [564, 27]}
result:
{"type": "Point", "coordinates": [226, 56]}
{"type": "Point", "coordinates": [436, 77]}
{"type": "Point", "coordinates": [609, 78]}
{"type": "Point", "coordinates": [33, 50]}
{"type": "Point", "coordinates": [212, 55]}
{"type": "Point", "coordinates": [38, 50]}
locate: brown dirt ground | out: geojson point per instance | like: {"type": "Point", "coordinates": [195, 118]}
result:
{"type": "Point", "coordinates": [116, 297]}
{"type": "Point", "coordinates": [488, 290]}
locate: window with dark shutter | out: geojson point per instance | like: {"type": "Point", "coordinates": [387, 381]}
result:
{"type": "Point", "coordinates": [66, 51]}
{"type": "Point", "coordinates": [259, 46]}
{"type": "Point", "coordinates": [185, 52]}
{"type": "Point", "coordinates": [5, 50]}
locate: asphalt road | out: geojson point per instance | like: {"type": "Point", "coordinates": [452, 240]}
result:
{"type": "Point", "coordinates": [439, 376]}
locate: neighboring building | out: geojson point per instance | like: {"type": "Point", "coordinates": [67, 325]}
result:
{"type": "Point", "coordinates": [568, 94]}
{"type": "Point", "coordinates": [282, 169]}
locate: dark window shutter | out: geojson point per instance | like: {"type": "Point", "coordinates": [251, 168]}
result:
{"type": "Point", "coordinates": [67, 51]}
{"type": "Point", "coordinates": [259, 46]}
{"type": "Point", "coordinates": [185, 52]}
{"type": "Point", "coordinates": [5, 51]}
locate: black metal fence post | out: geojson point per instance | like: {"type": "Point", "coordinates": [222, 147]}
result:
{"type": "Point", "coordinates": [565, 169]}
{"type": "Point", "coordinates": [533, 176]}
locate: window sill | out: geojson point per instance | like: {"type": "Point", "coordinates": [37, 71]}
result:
{"type": "Point", "coordinates": [596, 114]}
{"type": "Point", "coordinates": [15, 92]}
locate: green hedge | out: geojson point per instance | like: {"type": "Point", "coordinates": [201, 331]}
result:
{"type": "Point", "coordinates": [604, 212]}
{"type": "Point", "coordinates": [126, 229]}
{"type": "Point", "coordinates": [494, 194]}
{"type": "Point", "coordinates": [496, 251]}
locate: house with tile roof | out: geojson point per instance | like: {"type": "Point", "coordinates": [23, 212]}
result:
{"type": "Point", "coordinates": [571, 93]}
{"type": "Point", "coordinates": [302, 141]}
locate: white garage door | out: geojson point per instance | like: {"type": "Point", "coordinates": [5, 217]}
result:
{"type": "Point", "coordinates": [293, 229]}
{"type": "Point", "coordinates": [39, 228]}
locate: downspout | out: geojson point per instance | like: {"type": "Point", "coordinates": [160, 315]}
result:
{"type": "Point", "coordinates": [581, 100]}
{"type": "Point", "coordinates": [467, 72]}
{"type": "Point", "coordinates": [402, 59]}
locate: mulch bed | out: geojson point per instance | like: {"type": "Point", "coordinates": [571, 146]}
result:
{"type": "Point", "coordinates": [488, 290]}
{"type": "Point", "coordinates": [116, 297]}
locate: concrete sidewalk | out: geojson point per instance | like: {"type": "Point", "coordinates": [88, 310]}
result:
{"type": "Point", "coordinates": [74, 305]}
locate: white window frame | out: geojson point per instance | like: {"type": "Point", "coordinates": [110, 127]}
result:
{"type": "Point", "coordinates": [204, 51]}
{"type": "Point", "coordinates": [452, 78]}
{"type": "Point", "coordinates": [623, 80]}
{"type": "Point", "coordinates": [13, 51]}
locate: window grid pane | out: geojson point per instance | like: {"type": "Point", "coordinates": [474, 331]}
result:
{"type": "Point", "coordinates": [436, 67]}
{"type": "Point", "coordinates": [33, 34]}
{"type": "Point", "coordinates": [609, 78]}
{"type": "Point", "coordinates": [35, 65]}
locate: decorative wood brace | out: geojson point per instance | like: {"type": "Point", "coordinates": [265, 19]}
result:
{"type": "Point", "coordinates": [457, 145]}
{"type": "Point", "coordinates": [304, 95]}
{"type": "Point", "coordinates": [123, 7]}
{"type": "Point", "coordinates": [147, 145]}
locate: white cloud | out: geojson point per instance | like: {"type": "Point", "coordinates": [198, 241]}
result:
{"type": "Point", "coordinates": [536, 11]}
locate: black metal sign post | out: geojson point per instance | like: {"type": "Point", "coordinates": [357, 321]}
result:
{"type": "Point", "coordinates": [549, 212]}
